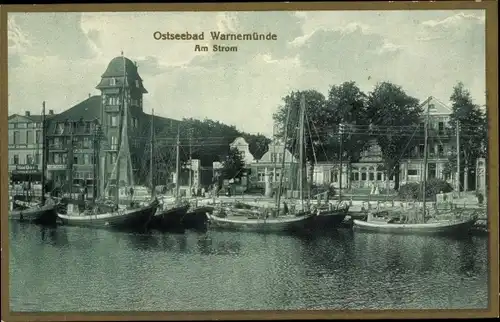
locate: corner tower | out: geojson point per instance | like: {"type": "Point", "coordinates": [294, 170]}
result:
{"type": "Point", "coordinates": [119, 84]}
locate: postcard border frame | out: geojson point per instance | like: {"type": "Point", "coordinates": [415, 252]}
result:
{"type": "Point", "coordinates": [491, 25]}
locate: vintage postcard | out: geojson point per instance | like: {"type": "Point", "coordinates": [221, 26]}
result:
{"type": "Point", "coordinates": [249, 161]}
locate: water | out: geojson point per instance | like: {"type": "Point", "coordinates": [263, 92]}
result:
{"type": "Point", "coordinates": [77, 269]}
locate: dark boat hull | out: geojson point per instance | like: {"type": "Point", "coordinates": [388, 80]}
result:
{"type": "Point", "coordinates": [169, 219]}
{"type": "Point", "coordinates": [283, 225]}
{"type": "Point", "coordinates": [45, 215]}
{"type": "Point", "coordinates": [196, 218]}
{"type": "Point", "coordinates": [133, 219]}
{"type": "Point", "coordinates": [328, 219]}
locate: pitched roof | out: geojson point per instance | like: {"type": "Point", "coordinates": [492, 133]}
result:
{"type": "Point", "coordinates": [87, 110]}
{"type": "Point", "coordinates": [117, 68]}
{"type": "Point", "coordinates": [436, 106]}
{"type": "Point", "coordinates": [33, 117]}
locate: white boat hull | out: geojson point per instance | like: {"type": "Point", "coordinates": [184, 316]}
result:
{"type": "Point", "coordinates": [440, 227]}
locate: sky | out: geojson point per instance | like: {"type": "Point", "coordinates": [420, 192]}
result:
{"type": "Point", "coordinates": [60, 57]}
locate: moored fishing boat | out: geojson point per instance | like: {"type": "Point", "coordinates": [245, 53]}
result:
{"type": "Point", "coordinates": [265, 218]}
{"type": "Point", "coordinates": [39, 214]}
{"type": "Point", "coordinates": [330, 215]}
{"type": "Point", "coordinates": [457, 224]}
{"type": "Point", "coordinates": [103, 216]}
{"type": "Point", "coordinates": [262, 222]}
{"type": "Point", "coordinates": [419, 219]}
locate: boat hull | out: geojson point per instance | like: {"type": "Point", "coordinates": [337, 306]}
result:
{"type": "Point", "coordinates": [130, 219]}
{"type": "Point", "coordinates": [328, 219]}
{"type": "Point", "coordinates": [45, 215]}
{"type": "Point", "coordinates": [169, 219]}
{"type": "Point", "coordinates": [270, 225]}
{"type": "Point", "coordinates": [196, 218]}
{"type": "Point", "coordinates": [437, 228]}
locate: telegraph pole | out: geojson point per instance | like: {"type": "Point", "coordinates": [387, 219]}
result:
{"type": "Point", "coordinates": [341, 152]}
{"type": "Point", "coordinates": [44, 152]}
{"type": "Point", "coordinates": [458, 157]}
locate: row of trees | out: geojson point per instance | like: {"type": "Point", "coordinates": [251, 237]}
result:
{"type": "Point", "coordinates": [387, 114]}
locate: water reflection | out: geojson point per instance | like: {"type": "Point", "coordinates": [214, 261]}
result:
{"type": "Point", "coordinates": [217, 270]}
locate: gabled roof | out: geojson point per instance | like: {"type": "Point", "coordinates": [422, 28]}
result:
{"type": "Point", "coordinates": [31, 117]}
{"type": "Point", "coordinates": [436, 107]}
{"type": "Point", "coordinates": [87, 110]}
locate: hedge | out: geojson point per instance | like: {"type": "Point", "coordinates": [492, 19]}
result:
{"type": "Point", "coordinates": [413, 190]}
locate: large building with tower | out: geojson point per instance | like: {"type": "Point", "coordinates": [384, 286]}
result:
{"type": "Point", "coordinates": [84, 140]}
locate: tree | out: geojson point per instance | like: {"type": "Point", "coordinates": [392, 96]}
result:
{"type": "Point", "coordinates": [394, 117]}
{"type": "Point", "coordinates": [257, 144]}
{"type": "Point", "coordinates": [316, 117]}
{"type": "Point", "coordinates": [233, 165]}
{"type": "Point", "coordinates": [347, 105]}
{"type": "Point", "coordinates": [473, 130]}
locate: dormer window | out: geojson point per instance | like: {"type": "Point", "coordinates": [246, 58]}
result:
{"type": "Point", "coordinates": [137, 83]}
{"type": "Point", "coordinates": [112, 81]}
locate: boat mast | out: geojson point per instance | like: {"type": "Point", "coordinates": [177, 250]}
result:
{"type": "Point", "coordinates": [424, 185]}
{"type": "Point", "coordinates": [283, 160]}
{"type": "Point", "coordinates": [458, 158]}
{"type": "Point", "coordinates": [341, 152]}
{"type": "Point", "coordinates": [96, 159]}
{"type": "Point", "coordinates": [190, 164]}
{"type": "Point", "coordinates": [151, 154]}
{"type": "Point", "coordinates": [301, 150]}
{"type": "Point", "coordinates": [177, 159]}
{"type": "Point", "coordinates": [44, 153]}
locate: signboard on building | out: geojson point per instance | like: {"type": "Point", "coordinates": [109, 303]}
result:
{"type": "Point", "coordinates": [26, 168]}
{"type": "Point", "coordinates": [56, 167]}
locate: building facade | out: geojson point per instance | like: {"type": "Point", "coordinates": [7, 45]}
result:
{"type": "Point", "coordinates": [26, 146]}
{"type": "Point", "coordinates": [369, 170]}
{"type": "Point", "coordinates": [276, 162]}
{"type": "Point", "coordinates": [84, 140]}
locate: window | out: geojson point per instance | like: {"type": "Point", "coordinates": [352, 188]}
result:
{"type": "Point", "coordinates": [356, 176]}
{"type": "Point", "coordinates": [57, 158]}
{"type": "Point", "coordinates": [421, 149]}
{"type": "Point", "coordinates": [16, 137]}
{"type": "Point", "coordinates": [372, 176]}
{"type": "Point", "coordinates": [29, 137]}
{"type": "Point", "coordinates": [38, 137]}
{"type": "Point", "coordinates": [273, 157]}
{"type": "Point", "coordinates": [64, 158]}
{"type": "Point", "coordinates": [379, 176]}
{"type": "Point", "coordinates": [88, 127]}
{"type": "Point", "coordinates": [441, 128]}
{"type": "Point", "coordinates": [137, 83]}
{"type": "Point", "coordinates": [60, 128]}
{"type": "Point", "coordinates": [86, 159]}
{"type": "Point", "coordinates": [113, 120]}
{"type": "Point", "coordinates": [440, 150]}
{"type": "Point", "coordinates": [412, 172]}
{"type": "Point", "coordinates": [29, 159]}
{"type": "Point", "coordinates": [37, 158]}
{"type": "Point", "coordinates": [135, 123]}
{"type": "Point", "coordinates": [114, 143]}
{"type": "Point", "coordinates": [86, 142]}
{"type": "Point", "coordinates": [112, 81]}
{"type": "Point", "coordinates": [363, 176]}
{"type": "Point", "coordinates": [113, 158]}
{"type": "Point", "coordinates": [16, 159]}
{"type": "Point", "coordinates": [75, 159]}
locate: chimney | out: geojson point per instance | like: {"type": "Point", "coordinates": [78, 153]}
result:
{"type": "Point", "coordinates": [89, 95]}
{"type": "Point", "coordinates": [51, 112]}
